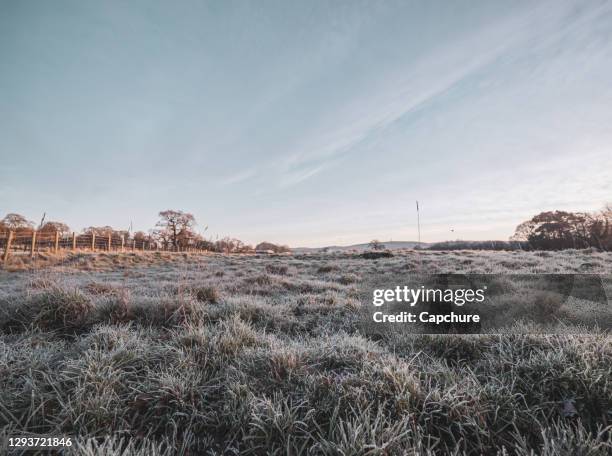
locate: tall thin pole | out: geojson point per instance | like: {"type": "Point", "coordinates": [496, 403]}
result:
{"type": "Point", "coordinates": [418, 221]}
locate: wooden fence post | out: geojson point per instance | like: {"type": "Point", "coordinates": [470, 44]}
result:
{"type": "Point", "coordinates": [123, 243]}
{"type": "Point", "coordinates": [93, 242]}
{"type": "Point", "coordinates": [57, 241]}
{"type": "Point", "coordinates": [110, 241]}
{"type": "Point", "coordinates": [33, 247]}
{"type": "Point", "coordinates": [73, 241]}
{"type": "Point", "coordinates": [133, 244]}
{"type": "Point", "coordinates": [7, 249]}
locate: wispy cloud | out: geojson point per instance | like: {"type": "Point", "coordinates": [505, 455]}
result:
{"type": "Point", "coordinates": [414, 86]}
{"type": "Point", "coordinates": [295, 175]}
{"type": "Point", "coordinates": [238, 177]}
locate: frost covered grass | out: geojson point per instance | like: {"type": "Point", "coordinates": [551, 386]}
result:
{"type": "Point", "coordinates": [159, 354]}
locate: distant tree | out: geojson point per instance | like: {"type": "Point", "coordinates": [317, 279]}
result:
{"type": "Point", "coordinates": [175, 226]}
{"type": "Point", "coordinates": [606, 226]}
{"type": "Point", "coordinates": [53, 227]}
{"type": "Point", "coordinates": [99, 230]}
{"type": "Point", "coordinates": [478, 245]}
{"type": "Point", "coordinates": [558, 230]}
{"type": "Point", "coordinates": [600, 228]}
{"type": "Point", "coordinates": [140, 236]}
{"type": "Point", "coordinates": [17, 222]}
{"type": "Point", "coordinates": [125, 234]}
{"type": "Point", "coordinates": [163, 237]}
{"type": "Point", "coordinates": [375, 244]}
{"type": "Point", "coordinates": [188, 238]}
{"type": "Point", "coordinates": [228, 245]}
{"type": "Point", "coordinates": [262, 246]}
{"type": "Point", "coordinates": [205, 244]}
{"type": "Point", "coordinates": [523, 231]}
{"type": "Point", "coordinates": [246, 248]}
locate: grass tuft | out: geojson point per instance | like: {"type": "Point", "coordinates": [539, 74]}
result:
{"type": "Point", "coordinates": [208, 294]}
{"type": "Point", "coordinates": [55, 308]}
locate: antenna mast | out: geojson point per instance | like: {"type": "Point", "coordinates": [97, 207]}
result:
{"type": "Point", "coordinates": [418, 221]}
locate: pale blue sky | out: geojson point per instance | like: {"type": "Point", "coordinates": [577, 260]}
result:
{"type": "Point", "coordinates": [307, 123]}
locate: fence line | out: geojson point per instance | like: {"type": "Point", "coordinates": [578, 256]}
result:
{"type": "Point", "coordinates": [33, 242]}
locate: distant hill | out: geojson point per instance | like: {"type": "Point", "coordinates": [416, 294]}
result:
{"type": "Point", "coordinates": [391, 245]}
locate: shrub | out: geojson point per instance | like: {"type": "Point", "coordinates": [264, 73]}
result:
{"type": "Point", "coordinates": [278, 269]}
{"type": "Point", "coordinates": [58, 308]}
{"type": "Point", "coordinates": [118, 310]}
{"type": "Point", "coordinates": [97, 288]}
{"type": "Point", "coordinates": [158, 311]}
{"type": "Point", "coordinates": [325, 269]}
{"type": "Point", "coordinates": [547, 305]}
{"type": "Point", "coordinates": [207, 294]}
{"type": "Point", "coordinates": [235, 336]}
{"type": "Point", "coordinates": [347, 279]}
{"type": "Point", "coordinates": [261, 280]}
{"type": "Point", "coordinates": [268, 246]}
{"type": "Point", "coordinates": [40, 283]}
{"type": "Point", "coordinates": [375, 255]}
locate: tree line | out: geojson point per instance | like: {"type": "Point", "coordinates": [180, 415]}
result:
{"type": "Point", "coordinates": [551, 230]}
{"type": "Point", "coordinates": [478, 245]}
{"type": "Point", "coordinates": [175, 231]}
{"type": "Point", "coordinates": [558, 230]}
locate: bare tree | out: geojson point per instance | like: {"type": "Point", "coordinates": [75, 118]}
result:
{"type": "Point", "coordinates": [17, 222]}
{"type": "Point", "coordinates": [140, 237]}
{"type": "Point", "coordinates": [600, 228]}
{"type": "Point", "coordinates": [162, 237]}
{"type": "Point", "coordinates": [232, 245]}
{"type": "Point", "coordinates": [53, 227]}
{"type": "Point", "coordinates": [99, 230]}
{"type": "Point", "coordinates": [375, 244]}
{"type": "Point", "coordinates": [175, 226]}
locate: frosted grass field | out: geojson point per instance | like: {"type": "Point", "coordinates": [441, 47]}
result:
{"type": "Point", "coordinates": [211, 354]}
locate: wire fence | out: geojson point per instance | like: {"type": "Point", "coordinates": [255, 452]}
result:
{"type": "Point", "coordinates": [33, 242]}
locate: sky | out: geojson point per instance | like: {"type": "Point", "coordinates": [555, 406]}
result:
{"type": "Point", "coordinates": [306, 123]}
